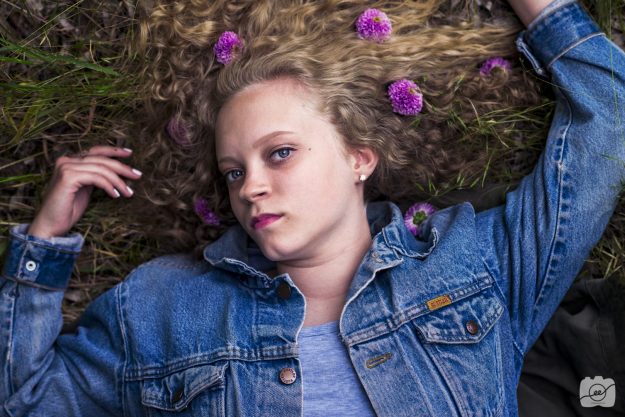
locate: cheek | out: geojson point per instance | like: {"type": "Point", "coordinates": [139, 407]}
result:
{"type": "Point", "coordinates": [323, 181]}
{"type": "Point", "coordinates": [236, 205]}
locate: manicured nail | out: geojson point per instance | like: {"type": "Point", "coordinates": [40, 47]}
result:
{"type": "Point", "coordinates": [130, 190]}
{"type": "Point", "coordinates": [116, 192]}
{"type": "Point", "coordinates": [128, 150]}
{"type": "Point", "coordinates": [136, 171]}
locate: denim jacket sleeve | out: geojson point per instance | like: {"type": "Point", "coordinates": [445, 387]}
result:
{"type": "Point", "coordinates": [537, 241]}
{"type": "Point", "coordinates": [44, 373]}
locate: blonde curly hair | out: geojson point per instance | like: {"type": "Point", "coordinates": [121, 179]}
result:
{"type": "Point", "coordinates": [315, 44]}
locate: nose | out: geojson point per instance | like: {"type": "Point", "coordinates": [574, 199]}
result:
{"type": "Point", "coordinates": [255, 186]}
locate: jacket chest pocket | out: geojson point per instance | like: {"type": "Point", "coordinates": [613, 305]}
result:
{"type": "Point", "coordinates": [464, 343]}
{"type": "Point", "coordinates": [193, 392]}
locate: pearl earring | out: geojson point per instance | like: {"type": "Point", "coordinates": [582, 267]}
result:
{"type": "Point", "coordinates": [362, 177]}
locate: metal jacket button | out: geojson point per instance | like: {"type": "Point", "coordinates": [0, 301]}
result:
{"type": "Point", "coordinates": [288, 376]}
{"type": "Point", "coordinates": [472, 327]}
{"type": "Point", "coordinates": [31, 266]}
{"type": "Point", "coordinates": [284, 290]}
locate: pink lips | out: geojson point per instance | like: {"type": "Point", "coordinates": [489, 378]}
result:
{"type": "Point", "coordinates": [264, 220]}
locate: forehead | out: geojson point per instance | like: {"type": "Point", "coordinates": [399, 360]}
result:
{"type": "Point", "coordinates": [263, 108]}
{"type": "Point", "coordinates": [282, 94]}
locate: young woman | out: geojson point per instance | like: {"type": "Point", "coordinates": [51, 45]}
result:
{"type": "Point", "coordinates": [319, 301]}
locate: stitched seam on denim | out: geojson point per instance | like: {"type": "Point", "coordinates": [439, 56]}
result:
{"type": "Point", "coordinates": [12, 313]}
{"type": "Point", "coordinates": [6, 409]}
{"type": "Point", "coordinates": [256, 316]}
{"type": "Point", "coordinates": [352, 298]}
{"type": "Point", "coordinates": [546, 281]}
{"type": "Point", "coordinates": [523, 47]}
{"type": "Point", "coordinates": [502, 401]}
{"type": "Point", "coordinates": [161, 371]}
{"type": "Point", "coordinates": [504, 301]}
{"type": "Point", "coordinates": [167, 372]}
{"type": "Point", "coordinates": [45, 246]}
{"type": "Point", "coordinates": [518, 348]}
{"type": "Point", "coordinates": [20, 262]}
{"type": "Point", "coordinates": [447, 378]}
{"type": "Point", "coordinates": [499, 291]}
{"type": "Point", "coordinates": [497, 336]}
{"type": "Point", "coordinates": [246, 268]}
{"type": "Point", "coordinates": [584, 39]}
{"type": "Point", "coordinates": [231, 353]}
{"type": "Point", "coordinates": [614, 48]}
{"type": "Point", "coordinates": [362, 288]}
{"type": "Point", "coordinates": [32, 284]}
{"type": "Point", "coordinates": [122, 329]}
{"type": "Point", "coordinates": [155, 398]}
{"type": "Point", "coordinates": [415, 377]}
{"type": "Point", "coordinates": [490, 269]}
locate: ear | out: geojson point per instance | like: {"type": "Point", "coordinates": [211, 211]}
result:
{"type": "Point", "coordinates": [364, 160]}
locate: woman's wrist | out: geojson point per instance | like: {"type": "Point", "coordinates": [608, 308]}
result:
{"type": "Point", "coordinates": [528, 10]}
{"type": "Point", "coordinates": [37, 231]}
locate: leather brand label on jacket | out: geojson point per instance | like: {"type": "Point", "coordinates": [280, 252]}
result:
{"type": "Point", "coordinates": [439, 302]}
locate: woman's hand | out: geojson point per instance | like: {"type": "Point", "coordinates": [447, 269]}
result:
{"type": "Point", "coordinates": [72, 183]}
{"type": "Point", "coordinates": [527, 10]}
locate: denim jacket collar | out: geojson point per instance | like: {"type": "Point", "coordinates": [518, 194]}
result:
{"type": "Point", "coordinates": [234, 251]}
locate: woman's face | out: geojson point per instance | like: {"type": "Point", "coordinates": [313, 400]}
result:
{"type": "Point", "coordinates": [280, 156]}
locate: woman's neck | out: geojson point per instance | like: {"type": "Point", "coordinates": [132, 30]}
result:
{"type": "Point", "coordinates": [325, 280]}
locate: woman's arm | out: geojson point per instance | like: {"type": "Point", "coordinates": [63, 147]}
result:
{"type": "Point", "coordinates": [44, 373]}
{"type": "Point", "coordinates": [536, 243]}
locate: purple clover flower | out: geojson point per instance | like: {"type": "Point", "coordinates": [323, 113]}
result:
{"type": "Point", "coordinates": [227, 47]}
{"type": "Point", "coordinates": [374, 25]}
{"type": "Point", "coordinates": [494, 62]}
{"type": "Point", "coordinates": [177, 130]}
{"type": "Point", "coordinates": [416, 215]}
{"type": "Point", "coordinates": [406, 97]}
{"type": "Point", "coordinates": [206, 214]}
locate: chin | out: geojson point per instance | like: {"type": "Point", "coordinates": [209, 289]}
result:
{"type": "Point", "coordinates": [272, 254]}
{"type": "Point", "coordinates": [276, 251]}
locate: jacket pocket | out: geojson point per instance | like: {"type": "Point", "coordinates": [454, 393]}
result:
{"type": "Point", "coordinates": [464, 342]}
{"type": "Point", "coordinates": [192, 392]}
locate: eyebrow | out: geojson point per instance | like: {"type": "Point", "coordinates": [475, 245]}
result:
{"type": "Point", "coordinates": [257, 143]}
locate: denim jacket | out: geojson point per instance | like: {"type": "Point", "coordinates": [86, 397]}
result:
{"type": "Point", "coordinates": [436, 325]}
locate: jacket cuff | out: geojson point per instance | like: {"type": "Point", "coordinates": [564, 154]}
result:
{"type": "Point", "coordinates": [558, 28]}
{"type": "Point", "coordinates": [44, 263]}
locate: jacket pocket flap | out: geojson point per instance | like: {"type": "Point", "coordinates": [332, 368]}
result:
{"type": "Point", "coordinates": [466, 320]}
{"type": "Point", "coordinates": [174, 391]}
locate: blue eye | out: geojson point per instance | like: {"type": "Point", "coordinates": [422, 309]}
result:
{"type": "Point", "coordinates": [283, 152]}
{"type": "Point", "coordinates": [230, 172]}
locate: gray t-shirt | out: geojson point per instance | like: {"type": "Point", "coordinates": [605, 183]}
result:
{"type": "Point", "coordinates": [331, 386]}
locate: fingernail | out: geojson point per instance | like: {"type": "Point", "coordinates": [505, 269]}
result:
{"type": "Point", "coordinates": [116, 192]}
{"type": "Point", "coordinates": [136, 171]}
{"type": "Point", "coordinates": [130, 190]}
{"type": "Point", "coordinates": [128, 150]}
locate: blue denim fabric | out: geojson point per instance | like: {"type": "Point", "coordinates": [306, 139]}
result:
{"type": "Point", "coordinates": [434, 326]}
